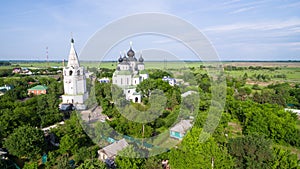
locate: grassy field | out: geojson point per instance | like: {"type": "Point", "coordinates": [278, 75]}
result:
{"type": "Point", "coordinates": [290, 69]}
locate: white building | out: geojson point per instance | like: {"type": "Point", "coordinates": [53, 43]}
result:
{"type": "Point", "coordinates": [170, 80]}
{"type": "Point", "coordinates": [104, 80]}
{"type": "Point", "coordinates": [74, 81]}
{"type": "Point", "coordinates": [129, 73]}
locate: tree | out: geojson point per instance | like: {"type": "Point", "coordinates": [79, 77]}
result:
{"type": "Point", "coordinates": [25, 141]}
{"type": "Point", "coordinates": [32, 165]}
{"type": "Point", "coordinates": [152, 163]}
{"type": "Point", "coordinates": [129, 158]}
{"type": "Point", "coordinates": [92, 164]}
{"type": "Point", "coordinates": [283, 159]}
{"type": "Point", "coordinates": [67, 144]}
{"type": "Point", "coordinates": [195, 154]}
{"type": "Point", "coordinates": [251, 151]}
{"type": "Point", "coordinates": [63, 162]}
{"type": "Point", "coordinates": [272, 121]}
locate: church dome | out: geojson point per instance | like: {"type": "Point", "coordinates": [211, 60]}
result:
{"type": "Point", "coordinates": [130, 53]}
{"type": "Point", "coordinates": [120, 59]}
{"type": "Point", "coordinates": [141, 59]}
{"type": "Point", "coordinates": [125, 59]}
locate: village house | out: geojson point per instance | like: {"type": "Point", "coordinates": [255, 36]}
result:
{"type": "Point", "coordinates": [37, 90]}
{"type": "Point", "coordinates": [104, 80]}
{"type": "Point", "coordinates": [170, 80]}
{"type": "Point", "coordinates": [6, 87]}
{"type": "Point", "coordinates": [109, 153]}
{"type": "Point", "coordinates": [16, 70]}
{"type": "Point", "coordinates": [180, 129]}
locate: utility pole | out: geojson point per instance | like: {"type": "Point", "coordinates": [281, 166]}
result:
{"type": "Point", "coordinates": [47, 58]}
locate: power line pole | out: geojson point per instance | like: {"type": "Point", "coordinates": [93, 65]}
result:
{"type": "Point", "coordinates": [47, 58]}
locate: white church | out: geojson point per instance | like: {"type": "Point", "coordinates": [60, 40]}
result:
{"type": "Point", "coordinates": [129, 73]}
{"type": "Point", "coordinates": [75, 91]}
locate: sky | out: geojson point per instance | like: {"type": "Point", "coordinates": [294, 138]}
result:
{"type": "Point", "coordinates": [237, 29]}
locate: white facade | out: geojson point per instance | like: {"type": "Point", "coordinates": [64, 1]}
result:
{"type": "Point", "coordinates": [104, 80]}
{"type": "Point", "coordinates": [74, 81]}
{"type": "Point", "coordinates": [129, 73]}
{"type": "Point", "coordinates": [170, 80]}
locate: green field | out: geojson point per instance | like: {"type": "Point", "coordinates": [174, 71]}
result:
{"type": "Point", "coordinates": [290, 69]}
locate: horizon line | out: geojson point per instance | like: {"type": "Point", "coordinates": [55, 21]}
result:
{"type": "Point", "coordinates": [35, 60]}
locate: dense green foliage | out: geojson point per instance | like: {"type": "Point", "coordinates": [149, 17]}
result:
{"type": "Point", "coordinates": [25, 141]}
{"type": "Point", "coordinates": [194, 154]}
{"type": "Point", "coordinates": [254, 131]}
{"type": "Point", "coordinates": [38, 111]}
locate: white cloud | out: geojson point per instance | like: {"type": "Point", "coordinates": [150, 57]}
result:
{"type": "Point", "coordinates": [242, 10]}
{"type": "Point", "coordinates": [291, 25]}
{"type": "Point", "coordinates": [290, 5]}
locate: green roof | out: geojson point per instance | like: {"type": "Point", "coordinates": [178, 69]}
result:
{"type": "Point", "coordinates": [39, 87]}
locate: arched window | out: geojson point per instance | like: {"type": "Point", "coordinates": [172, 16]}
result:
{"type": "Point", "coordinates": [78, 72]}
{"type": "Point", "coordinates": [71, 72]}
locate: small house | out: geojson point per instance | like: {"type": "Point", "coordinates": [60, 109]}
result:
{"type": "Point", "coordinates": [16, 70]}
{"type": "Point", "coordinates": [110, 152]}
{"type": "Point", "coordinates": [170, 80]}
{"type": "Point", "coordinates": [180, 129]}
{"type": "Point", "coordinates": [6, 88]}
{"type": "Point", "coordinates": [104, 80]}
{"type": "Point", "coordinates": [37, 90]}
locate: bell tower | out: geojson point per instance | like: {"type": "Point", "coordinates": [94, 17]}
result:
{"type": "Point", "coordinates": [74, 81]}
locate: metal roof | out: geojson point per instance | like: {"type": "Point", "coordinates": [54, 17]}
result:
{"type": "Point", "coordinates": [39, 87]}
{"type": "Point", "coordinates": [182, 126]}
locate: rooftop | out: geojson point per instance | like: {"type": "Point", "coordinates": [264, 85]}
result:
{"type": "Point", "coordinates": [112, 150]}
{"type": "Point", "coordinates": [39, 87]}
{"type": "Point", "coordinates": [182, 126]}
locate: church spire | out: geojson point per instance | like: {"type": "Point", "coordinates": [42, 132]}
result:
{"type": "Point", "coordinates": [73, 58]}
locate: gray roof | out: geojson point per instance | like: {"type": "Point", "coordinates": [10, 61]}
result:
{"type": "Point", "coordinates": [182, 126]}
{"type": "Point", "coordinates": [112, 150]}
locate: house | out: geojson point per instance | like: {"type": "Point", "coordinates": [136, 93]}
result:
{"type": "Point", "coordinates": [6, 88]}
{"type": "Point", "coordinates": [170, 80]}
{"type": "Point", "coordinates": [37, 90]}
{"type": "Point", "coordinates": [110, 152]}
{"type": "Point", "coordinates": [16, 70]}
{"type": "Point", "coordinates": [104, 80]}
{"type": "Point", "coordinates": [180, 129]}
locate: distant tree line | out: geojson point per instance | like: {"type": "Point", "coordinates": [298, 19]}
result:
{"type": "Point", "coordinates": [5, 63]}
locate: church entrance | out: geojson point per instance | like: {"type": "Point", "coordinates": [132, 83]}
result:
{"type": "Point", "coordinates": [136, 99]}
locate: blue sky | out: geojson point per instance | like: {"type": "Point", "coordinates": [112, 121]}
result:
{"type": "Point", "coordinates": [238, 29]}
